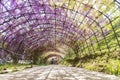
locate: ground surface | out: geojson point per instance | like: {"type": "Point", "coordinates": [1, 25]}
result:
{"type": "Point", "coordinates": [54, 72]}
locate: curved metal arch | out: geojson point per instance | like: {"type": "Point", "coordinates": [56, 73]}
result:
{"type": "Point", "coordinates": [51, 55]}
{"type": "Point", "coordinates": [12, 33]}
{"type": "Point", "coordinates": [44, 41]}
{"type": "Point", "coordinates": [101, 29]}
{"type": "Point", "coordinates": [82, 3]}
{"type": "Point", "coordinates": [26, 22]}
{"type": "Point", "coordinates": [38, 46]}
{"type": "Point", "coordinates": [21, 34]}
{"type": "Point", "coordinates": [34, 42]}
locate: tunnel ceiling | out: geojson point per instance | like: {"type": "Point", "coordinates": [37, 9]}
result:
{"type": "Point", "coordinates": [30, 24]}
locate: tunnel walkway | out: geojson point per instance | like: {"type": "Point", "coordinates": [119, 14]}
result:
{"type": "Point", "coordinates": [79, 32]}
{"type": "Point", "coordinates": [54, 72]}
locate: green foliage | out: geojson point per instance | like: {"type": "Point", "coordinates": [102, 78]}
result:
{"type": "Point", "coordinates": [113, 67]}
{"type": "Point", "coordinates": [102, 61]}
{"type": "Point", "coordinates": [12, 67]}
{"type": "Point", "coordinates": [71, 58]}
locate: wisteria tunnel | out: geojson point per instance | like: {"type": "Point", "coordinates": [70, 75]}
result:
{"type": "Point", "coordinates": [77, 32]}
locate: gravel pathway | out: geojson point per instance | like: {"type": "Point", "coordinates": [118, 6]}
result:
{"type": "Point", "coordinates": [54, 72]}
